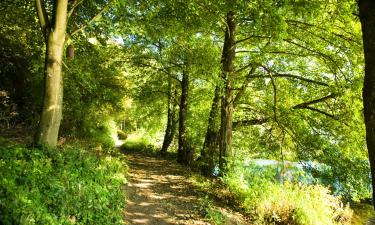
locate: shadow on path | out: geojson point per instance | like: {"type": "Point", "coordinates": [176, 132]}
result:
{"type": "Point", "coordinates": [159, 193]}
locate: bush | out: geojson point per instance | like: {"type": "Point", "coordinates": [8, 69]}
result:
{"type": "Point", "coordinates": [138, 144]}
{"type": "Point", "coordinates": [122, 135]}
{"type": "Point", "coordinates": [65, 186]}
{"type": "Point", "coordinates": [270, 202]}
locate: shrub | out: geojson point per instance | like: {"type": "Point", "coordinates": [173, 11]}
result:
{"type": "Point", "coordinates": [65, 186]}
{"type": "Point", "coordinates": [138, 144]}
{"type": "Point", "coordinates": [122, 135]}
{"type": "Point", "coordinates": [103, 132]}
{"type": "Point", "coordinates": [270, 202]}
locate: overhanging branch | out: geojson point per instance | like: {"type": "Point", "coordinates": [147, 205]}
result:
{"type": "Point", "coordinates": [291, 76]}
{"type": "Point", "coordinates": [74, 6]}
{"type": "Point", "coordinates": [251, 122]}
{"type": "Point", "coordinates": [243, 87]}
{"type": "Point", "coordinates": [105, 8]}
{"type": "Point", "coordinates": [304, 104]}
{"type": "Point", "coordinates": [250, 37]}
{"type": "Point", "coordinates": [319, 111]}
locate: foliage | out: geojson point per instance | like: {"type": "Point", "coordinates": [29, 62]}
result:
{"type": "Point", "coordinates": [214, 216]}
{"type": "Point", "coordinates": [122, 135]}
{"type": "Point", "coordinates": [7, 109]}
{"type": "Point", "coordinates": [20, 54]}
{"type": "Point", "coordinates": [135, 143]}
{"type": "Point", "coordinates": [362, 213]}
{"type": "Point", "coordinates": [95, 95]}
{"type": "Point", "coordinates": [289, 53]}
{"type": "Point", "coordinates": [270, 202]}
{"type": "Point", "coordinates": [69, 185]}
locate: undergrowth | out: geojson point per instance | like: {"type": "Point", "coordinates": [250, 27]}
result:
{"type": "Point", "coordinates": [208, 210]}
{"type": "Point", "coordinates": [269, 202]}
{"type": "Point", "coordinates": [136, 144]}
{"type": "Point", "coordinates": [68, 185]}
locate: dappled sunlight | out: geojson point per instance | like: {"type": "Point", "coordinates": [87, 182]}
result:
{"type": "Point", "coordinates": [159, 193]}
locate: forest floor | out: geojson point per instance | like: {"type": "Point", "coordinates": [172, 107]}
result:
{"type": "Point", "coordinates": [161, 192]}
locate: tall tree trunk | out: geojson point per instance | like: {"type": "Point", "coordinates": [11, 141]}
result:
{"type": "Point", "coordinates": [367, 17]}
{"type": "Point", "coordinates": [171, 120]}
{"type": "Point", "coordinates": [184, 151]}
{"type": "Point", "coordinates": [50, 119]}
{"type": "Point", "coordinates": [211, 142]}
{"type": "Point", "coordinates": [227, 98]}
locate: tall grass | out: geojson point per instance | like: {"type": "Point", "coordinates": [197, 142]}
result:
{"type": "Point", "coordinates": [269, 202]}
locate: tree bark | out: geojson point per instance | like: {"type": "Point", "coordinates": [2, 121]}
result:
{"type": "Point", "coordinates": [171, 119]}
{"type": "Point", "coordinates": [51, 115]}
{"type": "Point", "coordinates": [184, 151]}
{"type": "Point", "coordinates": [227, 98]}
{"type": "Point", "coordinates": [367, 17]}
{"type": "Point", "coordinates": [211, 142]}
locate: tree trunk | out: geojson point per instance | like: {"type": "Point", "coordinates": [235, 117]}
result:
{"type": "Point", "coordinates": [50, 119]}
{"type": "Point", "coordinates": [227, 98]}
{"type": "Point", "coordinates": [211, 142]}
{"type": "Point", "coordinates": [367, 17]}
{"type": "Point", "coordinates": [171, 120]}
{"type": "Point", "coordinates": [184, 151]}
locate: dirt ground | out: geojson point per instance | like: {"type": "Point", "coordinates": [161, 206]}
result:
{"type": "Point", "coordinates": [159, 192]}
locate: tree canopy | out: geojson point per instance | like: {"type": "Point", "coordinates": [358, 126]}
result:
{"type": "Point", "coordinates": [219, 83]}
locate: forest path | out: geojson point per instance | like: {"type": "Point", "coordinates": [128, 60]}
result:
{"type": "Point", "coordinates": [159, 192]}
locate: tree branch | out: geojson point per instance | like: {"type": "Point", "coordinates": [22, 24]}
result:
{"type": "Point", "coordinates": [105, 8]}
{"type": "Point", "coordinates": [42, 17]}
{"type": "Point", "coordinates": [243, 87]}
{"type": "Point", "coordinates": [274, 99]}
{"type": "Point", "coordinates": [293, 77]}
{"type": "Point", "coordinates": [250, 37]}
{"type": "Point", "coordinates": [348, 39]}
{"type": "Point", "coordinates": [275, 52]}
{"type": "Point", "coordinates": [274, 74]}
{"type": "Point", "coordinates": [319, 111]}
{"type": "Point", "coordinates": [237, 124]}
{"type": "Point", "coordinates": [164, 70]}
{"type": "Point", "coordinates": [74, 6]}
{"type": "Point", "coordinates": [244, 68]}
{"type": "Point", "coordinates": [305, 104]}
{"type": "Point", "coordinates": [318, 53]}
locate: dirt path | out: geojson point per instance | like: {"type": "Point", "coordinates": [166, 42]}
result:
{"type": "Point", "coordinates": [159, 193]}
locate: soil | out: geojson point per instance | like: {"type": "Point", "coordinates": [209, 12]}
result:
{"type": "Point", "coordinates": [160, 192]}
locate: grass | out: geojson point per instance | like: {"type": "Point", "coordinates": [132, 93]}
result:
{"type": "Point", "coordinates": [362, 213]}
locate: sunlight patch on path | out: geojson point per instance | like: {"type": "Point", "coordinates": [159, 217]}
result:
{"type": "Point", "coordinates": [158, 193]}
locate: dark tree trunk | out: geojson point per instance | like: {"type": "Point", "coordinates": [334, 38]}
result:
{"type": "Point", "coordinates": [184, 151]}
{"type": "Point", "coordinates": [211, 142]}
{"type": "Point", "coordinates": [171, 121]}
{"type": "Point", "coordinates": [367, 17]}
{"type": "Point", "coordinates": [227, 98]}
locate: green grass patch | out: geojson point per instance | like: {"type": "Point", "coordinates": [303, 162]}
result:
{"type": "Point", "coordinates": [69, 185]}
